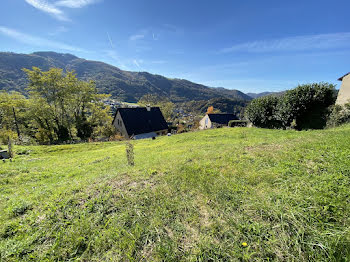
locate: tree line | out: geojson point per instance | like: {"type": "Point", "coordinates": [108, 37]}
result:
{"type": "Point", "coordinates": [59, 108]}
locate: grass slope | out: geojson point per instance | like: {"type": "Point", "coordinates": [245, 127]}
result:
{"type": "Point", "coordinates": [191, 197]}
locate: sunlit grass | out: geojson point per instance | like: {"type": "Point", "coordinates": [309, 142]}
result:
{"type": "Point", "coordinates": [225, 194]}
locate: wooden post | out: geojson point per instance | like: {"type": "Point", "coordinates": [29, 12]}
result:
{"type": "Point", "coordinates": [130, 153]}
{"type": "Point", "coordinates": [10, 147]}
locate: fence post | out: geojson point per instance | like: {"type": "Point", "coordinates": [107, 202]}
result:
{"type": "Point", "coordinates": [10, 147]}
{"type": "Point", "coordinates": [130, 153]}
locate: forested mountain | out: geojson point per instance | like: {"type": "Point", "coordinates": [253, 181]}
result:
{"type": "Point", "coordinates": [224, 105]}
{"type": "Point", "coordinates": [124, 85]}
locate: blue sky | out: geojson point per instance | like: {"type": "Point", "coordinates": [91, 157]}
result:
{"type": "Point", "coordinates": [252, 45]}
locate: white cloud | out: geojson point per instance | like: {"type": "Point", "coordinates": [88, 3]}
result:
{"type": "Point", "coordinates": [75, 3]}
{"type": "Point", "coordinates": [37, 41]}
{"type": "Point", "coordinates": [54, 8]}
{"type": "Point", "coordinates": [297, 43]}
{"type": "Point", "coordinates": [48, 8]}
{"type": "Point", "coordinates": [155, 33]}
{"type": "Point", "coordinates": [136, 37]}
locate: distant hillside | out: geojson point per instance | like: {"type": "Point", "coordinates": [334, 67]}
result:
{"type": "Point", "coordinates": [257, 95]}
{"type": "Point", "coordinates": [123, 85]}
{"type": "Point", "coordinates": [225, 105]}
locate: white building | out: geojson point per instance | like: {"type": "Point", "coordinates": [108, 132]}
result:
{"type": "Point", "coordinates": [216, 120]}
{"type": "Point", "coordinates": [344, 92]}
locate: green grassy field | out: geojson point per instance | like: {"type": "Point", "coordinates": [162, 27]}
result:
{"type": "Point", "coordinates": [190, 197]}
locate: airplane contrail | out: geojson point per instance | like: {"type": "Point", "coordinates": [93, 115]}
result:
{"type": "Point", "coordinates": [110, 40]}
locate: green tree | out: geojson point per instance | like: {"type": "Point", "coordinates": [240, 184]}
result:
{"type": "Point", "coordinates": [64, 107]}
{"type": "Point", "coordinates": [13, 121]}
{"type": "Point", "coordinates": [50, 89]}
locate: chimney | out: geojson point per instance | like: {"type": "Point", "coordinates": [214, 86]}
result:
{"type": "Point", "coordinates": [148, 107]}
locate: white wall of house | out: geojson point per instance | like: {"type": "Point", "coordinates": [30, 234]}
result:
{"type": "Point", "coordinates": [344, 92]}
{"type": "Point", "coordinates": [119, 125]}
{"type": "Point", "coordinates": [205, 123]}
{"type": "Point", "coordinates": [145, 135]}
{"type": "Point", "coordinates": [151, 134]}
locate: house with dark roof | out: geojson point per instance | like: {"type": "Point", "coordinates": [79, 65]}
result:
{"type": "Point", "coordinates": [140, 122]}
{"type": "Point", "coordinates": [216, 120]}
{"type": "Point", "coordinates": [344, 91]}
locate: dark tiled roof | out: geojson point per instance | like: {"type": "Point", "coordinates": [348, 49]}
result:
{"type": "Point", "coordinates": [341, 78]}
{"type": "Point", "coordinates": [222, 119]}
{"type": "Point", "coordinates": [139, 120]}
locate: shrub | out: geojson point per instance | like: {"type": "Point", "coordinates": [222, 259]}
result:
{"type": "Point", "coordinates": [262, 112]}
{"type": "Point", "coordinates": [339, 115]}
{"type": "Point", "coordinates": [236, 123]}
{"type": "Point", "coordinates": [306, 106]}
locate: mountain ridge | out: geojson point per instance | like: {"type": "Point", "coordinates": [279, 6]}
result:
{"type": "Point", "coordinates": [120, 84]}
{"type": "Point", "coordinates": [267, 93]}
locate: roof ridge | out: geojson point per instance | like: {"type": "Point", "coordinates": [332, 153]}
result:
{"type": "Point", "coordinates": [341, 78]}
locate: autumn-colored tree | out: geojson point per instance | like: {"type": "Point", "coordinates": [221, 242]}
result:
{"type": "Point", "coordinates": [210, 110]}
